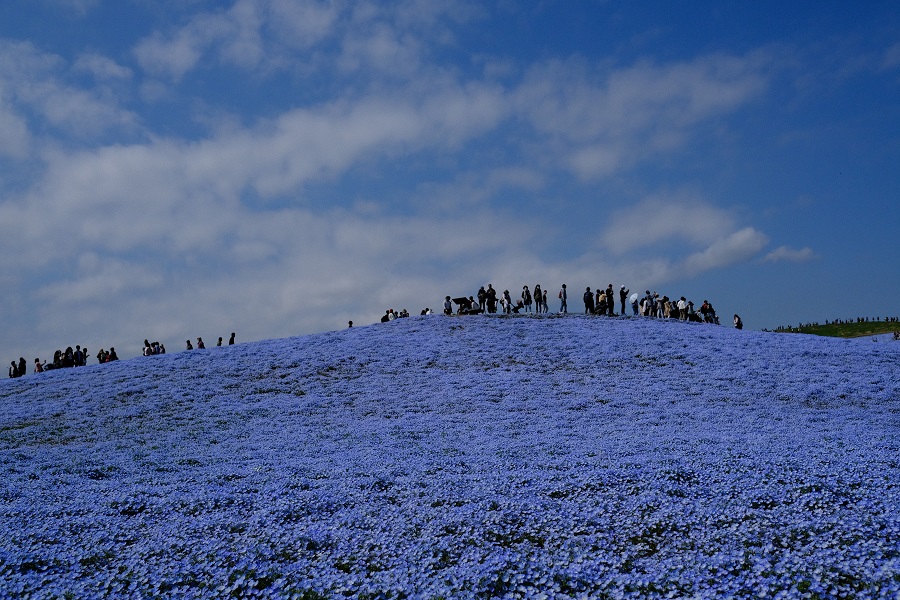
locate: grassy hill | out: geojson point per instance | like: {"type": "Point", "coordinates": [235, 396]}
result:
{"type": "Point", "coordinates": [851, 330]}
{"type": "Point", "coordinates": [471, 457]}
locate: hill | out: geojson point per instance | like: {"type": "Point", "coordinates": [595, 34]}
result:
{"type": "Point", "coordinates": [850, 330]}
{"type": "Point", "coordinates": [466, 457]}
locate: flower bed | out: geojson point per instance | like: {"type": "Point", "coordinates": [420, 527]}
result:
{"type": "Point", "coordinates": [462, 458]}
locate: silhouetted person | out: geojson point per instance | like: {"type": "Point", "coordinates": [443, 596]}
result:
{"type": "Point", "coordinates": [190, 346]}
{"type": "Point", "coordinates": [219, 343]}
{"type": "Point", "coordinates": [231, 339]}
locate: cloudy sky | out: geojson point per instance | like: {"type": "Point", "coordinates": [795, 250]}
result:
{"type": "Point", "coordinates": [183, 168]}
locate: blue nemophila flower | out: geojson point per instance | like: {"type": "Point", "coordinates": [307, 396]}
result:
{"type": "Point", "coordinates": [460, 458]}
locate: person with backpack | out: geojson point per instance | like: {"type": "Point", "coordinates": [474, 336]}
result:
{"type": "Point", "coordinates": [526, 298]}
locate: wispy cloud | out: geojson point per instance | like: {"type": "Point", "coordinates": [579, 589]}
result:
{"type": "Point", "coordinates": [788, 254]}
{"type": "Point", "coordinates": [678, 218]}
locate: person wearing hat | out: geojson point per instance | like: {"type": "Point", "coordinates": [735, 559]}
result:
{"type": "Point", "coordinates": [623, 296]}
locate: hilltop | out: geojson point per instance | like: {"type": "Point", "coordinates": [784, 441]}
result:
{"type": "Point", "coordinates": [463, 457]}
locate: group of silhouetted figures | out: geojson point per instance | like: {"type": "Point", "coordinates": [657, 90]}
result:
{"type": "Point", "coordinates": [62, 359]}
{"type": "Point", "coordinates": [200, 344]}
{"type": "Point", "coordinates": [603, 301]}
{"type": "Point", "coordinates": [78, 357]}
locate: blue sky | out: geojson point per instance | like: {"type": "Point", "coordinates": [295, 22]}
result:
{"type": "Point", "coordinates": [276, 167]}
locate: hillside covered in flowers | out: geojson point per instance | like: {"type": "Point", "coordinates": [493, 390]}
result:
{"type": "Point", "coordinates": [462, 457]}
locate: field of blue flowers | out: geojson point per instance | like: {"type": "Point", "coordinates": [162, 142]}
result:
{"type": "Point", "coordinates": [461, 457]}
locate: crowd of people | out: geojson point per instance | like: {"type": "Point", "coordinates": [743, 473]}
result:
{"type": "Point", "coordinates": [78, 357]}
{"type": "Point", "coordinates": [603, 301]}
{"type": "Point", "coordinates": [62, 359]}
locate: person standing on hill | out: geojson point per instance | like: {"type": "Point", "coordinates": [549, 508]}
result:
{"type": "Point", "coordinates": [738, 324]}
{"type": "Point", "coordinates": [563, 296]}
{"type": "Point", "coordinates": [13, 370]}
{"type": "Point", "coordinates": [623, 296]}
{"type": "Point", "coordinates": [526, 298]}
{"type": "Point", "coordinates": [231, 339]}
{"type": "Point", "coordinates": [588, 301]}
{"type": "Point", "coordinates": [538, 299]}
{"type": "Point", "coordinates": [491, 296]}
{"type": "Point", "coordinates": [682, 309]}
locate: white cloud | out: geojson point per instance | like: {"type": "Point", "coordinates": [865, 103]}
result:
{"type": "Point", "coordinates": [737, 247]}
{"type": "Point", "coordinates": [15, 139]}
{"type": "Point", "coordinates": [101, 67]}
{"type": "Point", "coordinates": [32, 83]}
{"type": "Point", "coordinates": [674, 218]}
{"type": "Point", "coordinates": [787, 254]}
{"type": "Point", "coordinates": [604, 119]}
{"type": "Point", "coordinates": [262, 34]}
{"type": "Point", "coordinates": [174, 55]}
